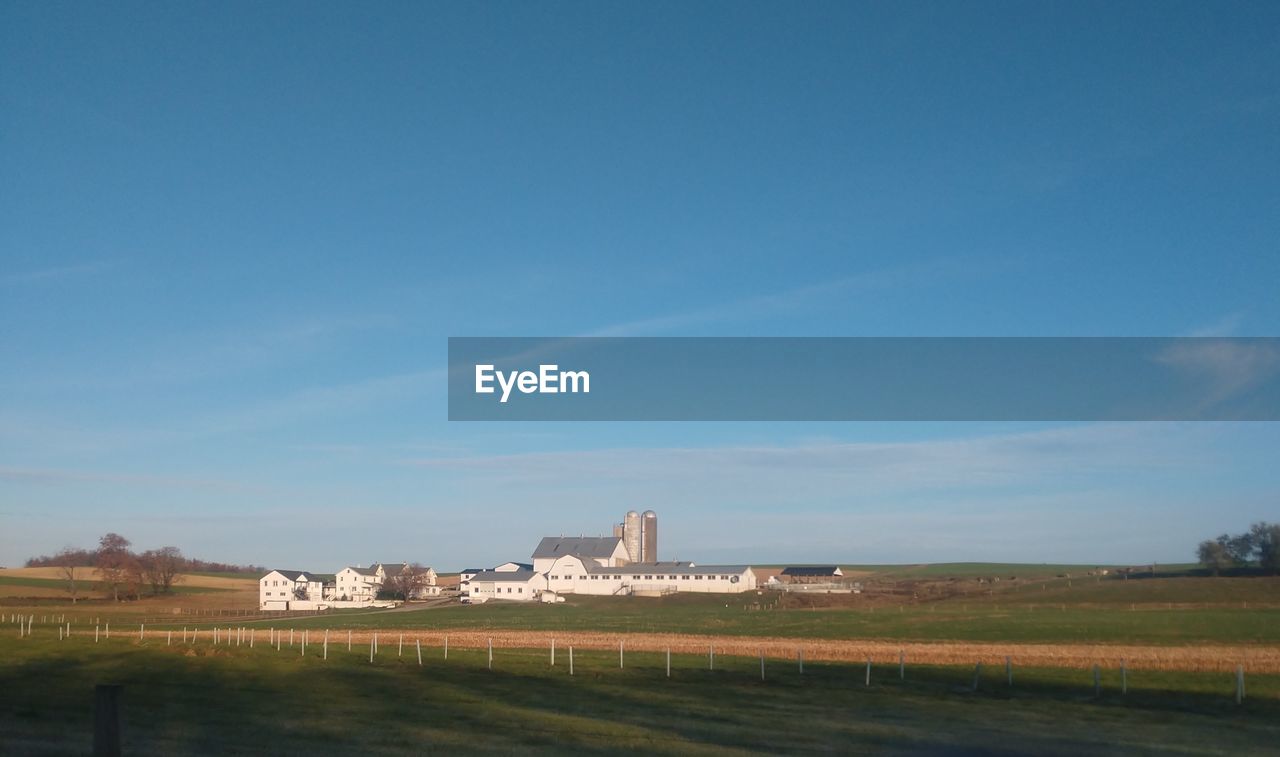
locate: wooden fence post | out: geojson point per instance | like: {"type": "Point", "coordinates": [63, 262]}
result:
{"type": "Point", "coordinates": [1239, 684]}
{"type": "Point", "coordinates": [553, 651]}
{"type": "Point", "coordinates": [570, 659]}
{"type": "Point", "coordinates": [620, 655]}
{"type": "Point", "coordinates": [1008, 670]}
{"type": "Point", "coordinates": [1124, 678]}
{"type": "Point", "coordinates": [977, 674]}
{"type": "Point", "coordinates": [490, 653]}
{"type": "Point", "coordinates": [418, 643]}
{"type": "Point", "coordinates": [1097, 682]}
{"type": "Point", "coordinates": [711, 658]}
{"type": "Point", "coordinates": [106, 720]}
{"type": "Point", "coordinates": [761, 664]}
{"type": "Point", "coordinates": [800, 660]}
{"type": "Point", "coordinates": [668, 662]}
{"type": "Point", "coordinates": [867, 682]}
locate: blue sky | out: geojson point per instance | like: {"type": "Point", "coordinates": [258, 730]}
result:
{"type": "Point", "coordinates": [235, 237]}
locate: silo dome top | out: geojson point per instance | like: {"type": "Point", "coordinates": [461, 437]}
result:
{"type": "Point", "coordinates": [633, 514]}
{"type": "Point", "coordinates": [650, 514]}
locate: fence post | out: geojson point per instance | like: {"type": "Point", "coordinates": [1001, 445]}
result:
{"type": "Point", "coordinates": [169, 643]}
{"type": "Point", "coordinates": [553, 651]}
{"type": "Point", "coordinates": [1239, 684]}
{"type": "Point", "coordinates": [324, 650]}
{"type": "Point", "coordinates": [348, 639]}
{"type": "Point", "coordinates": [1124, 678]}
{"type": "Point", "coordinates": [620, 654]}
{"type": "Point", "coordinates": [902, 665]}
{"type": "Point", "coordinates": [668, 662]}
{"type": "Point", "coordinates": [711, 659]}
{"type": "Point", "coordinates": [106, 720]}
{"type": "Point", "coordinates": [868, 680]}
{"type": "Point", "coordinates": [140, 631]}
{"type": "Point", "coordinates": [400, 649]}
{"type": "Point", "coordinates": [370, 650]}
{"type": "Point", "coordinates": [761, 664]}
{"type": "Point", "coordinates": [95, 634]}
{"type": "Point", "coordinates": [490, 653]}
{"type": "Point", "coordinates": [977, 674]}
{"type": "Point", "coordinates": [1008, 670]}
{"type": "Point", "coordinates": [800, 659]}
{"type": "Point", "coordinates": [570, 659]}
{"type": "Point", "coordinates": [446, 647]}
{"type": "Point", "coordinates": [1097, 682]}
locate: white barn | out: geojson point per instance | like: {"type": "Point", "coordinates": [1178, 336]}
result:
{"type": "Point", "coordinates": [599, 566]}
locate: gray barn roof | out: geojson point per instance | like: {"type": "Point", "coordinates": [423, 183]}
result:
{"type": "Point", "coordinates": [294, 575]}
{"type": "Point", "coordinates": [578, 546]}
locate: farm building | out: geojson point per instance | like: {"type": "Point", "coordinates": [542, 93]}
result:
{"type": "Point", "coordinates": [600, 566]}
{"type": "Point", "coordinates": [811, 574]}
{"type": "Point", "coordinates": [286, 589]}
{"type": "Point", "coordinates": [351, 587]}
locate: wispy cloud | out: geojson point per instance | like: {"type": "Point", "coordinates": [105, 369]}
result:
{"type": "Point", "coordinates": [992, 460]}
{"type": "Point", "coordinates": [775, 304]}
{"type": "Point", "coordinates": [1227, 325]}
{"type": "Point", "coordinates": [333, 400]}
{"type": "Point", "coordinates": [57, 272]}
{"type": "Point", "coordinates": [1228, 368]}
{"type": "Point", "coordinates": [55, 476]}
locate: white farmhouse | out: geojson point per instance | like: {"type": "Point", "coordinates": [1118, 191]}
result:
{"type": "Point", "coordinates": [361, 585]}
{"type": "Point", "coordinates": [288, 589]}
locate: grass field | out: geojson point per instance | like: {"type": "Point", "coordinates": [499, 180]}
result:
{"type": "Point", "coordinates": [978, 621]}
{"type": "Point", "coordinates": [1180, 638]}
{"type": "Point", "coordinates": [233, 699]}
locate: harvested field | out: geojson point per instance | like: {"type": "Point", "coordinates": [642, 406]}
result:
{"type": "Point", "coordinates": [1217, 658]}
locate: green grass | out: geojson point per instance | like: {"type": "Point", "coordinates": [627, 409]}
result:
{"type": "Point", "coordinates": [973, 621]}
{"type": "Point", "coordinates": [184, 700]}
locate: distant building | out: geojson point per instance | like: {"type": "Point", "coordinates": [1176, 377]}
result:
{"type": "Point", "coordinates": [601, 566]}
{"type": "Point", "coordinates": [811, 574]}
{"type": "Point", "coordinates": [283, 589]}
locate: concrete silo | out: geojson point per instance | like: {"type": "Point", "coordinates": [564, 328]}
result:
{"type": "Point", "coordinates": [631, 535]}
{"type": "Point", "coordinates": [649, 537]}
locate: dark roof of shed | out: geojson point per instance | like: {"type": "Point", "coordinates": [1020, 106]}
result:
{"type": "Point", "coordinates": [809, 570]}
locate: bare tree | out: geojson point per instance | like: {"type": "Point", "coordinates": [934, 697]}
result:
{"type": "Point", "coordinates": [67, 559]}
{"type": "Point", "coordinates": [406, 583]}
{"type": "Point", "coordinates": [1265, 538]}
{"type": "Point", "coordinates": [114, 561]}
{"type": "Point", "coordinates": [1215, 555]}
{"type": "Point", "coordinates": [160, 568]}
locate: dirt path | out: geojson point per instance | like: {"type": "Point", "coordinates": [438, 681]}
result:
{"type": "Point", "coordinates": [1256, 659]}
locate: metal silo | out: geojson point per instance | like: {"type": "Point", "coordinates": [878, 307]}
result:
{"type": "Point", "coordinates": [649, 537]}
{"type": "Point", "coordinates": [631, 535]}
